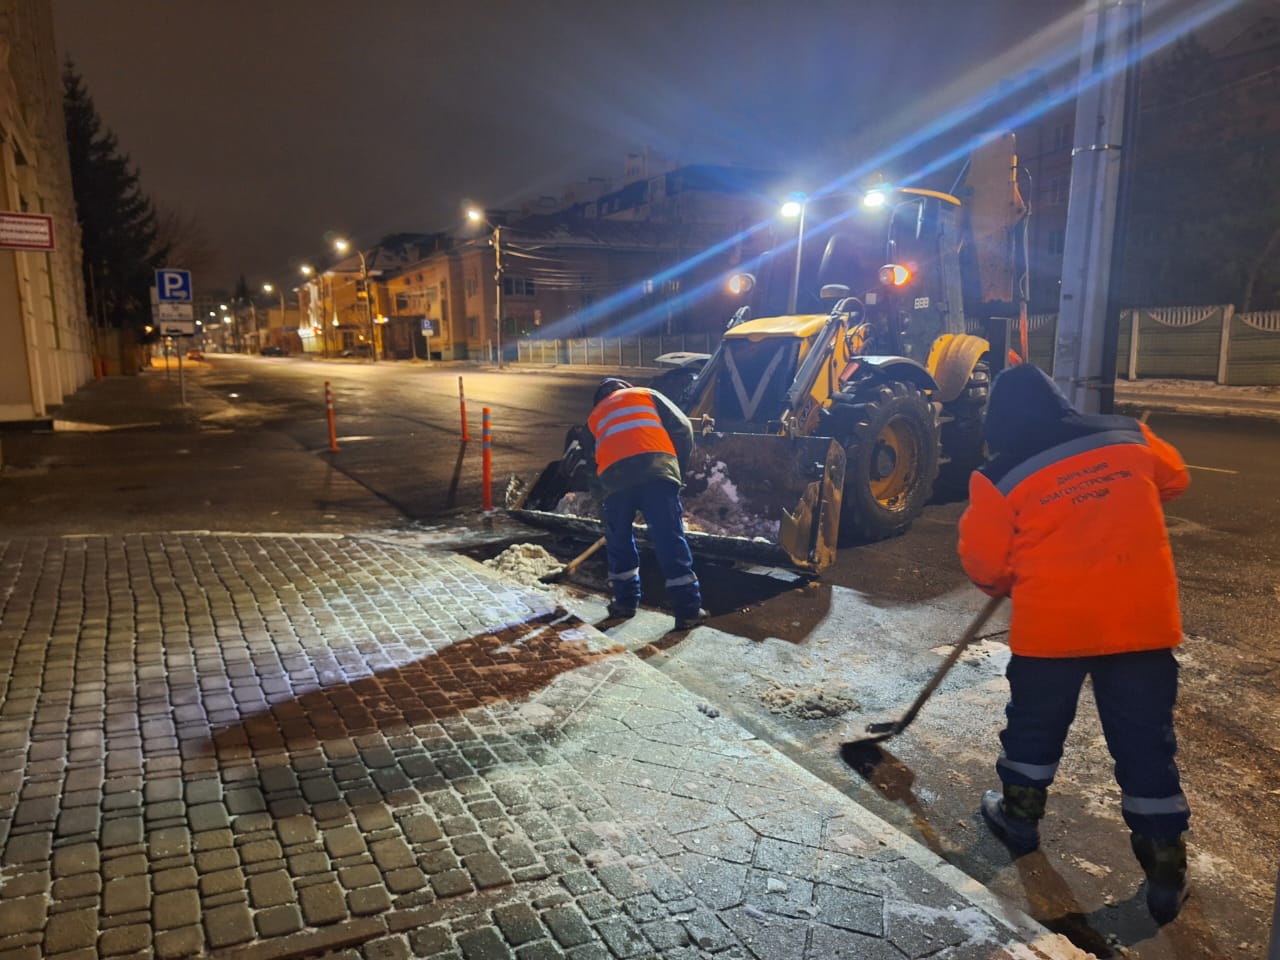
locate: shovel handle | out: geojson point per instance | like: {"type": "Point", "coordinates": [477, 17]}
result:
{"type": "Point", "coordinates": [576, 562]}
{"type": "Point", "coordinates": [970, 633]}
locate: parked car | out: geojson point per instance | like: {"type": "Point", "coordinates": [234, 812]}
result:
{"type": "Point", "coordinates": [271, 350]}
{"type": "Point", "coordinates": [195, 355]}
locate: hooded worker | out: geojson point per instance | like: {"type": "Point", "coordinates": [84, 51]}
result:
{"type": "Point", "coordinates": [642, 447]}
{"type": "Point", "coordinates": [1066, 518]}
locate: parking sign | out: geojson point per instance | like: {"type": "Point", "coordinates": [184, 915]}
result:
{"type": "Point", "coordinates": [173, 286]}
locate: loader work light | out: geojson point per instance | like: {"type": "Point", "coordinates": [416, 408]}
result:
{"type": "Point", "coordinates": [894, 275]}
{"type": "Point", "coordinates": [875, 198]}
{"type": "Point", "coordinates": [741, 283]}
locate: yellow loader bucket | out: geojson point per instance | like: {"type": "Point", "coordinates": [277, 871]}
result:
{"type": "Point", "coordinates": [764, 498]}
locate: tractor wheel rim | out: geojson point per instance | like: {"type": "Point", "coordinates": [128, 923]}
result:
{"type": "Point", "coordinates": [896, 449]}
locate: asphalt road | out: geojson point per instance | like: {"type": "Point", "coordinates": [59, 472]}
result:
{"type": "Point", "coordinates": [807, 664]}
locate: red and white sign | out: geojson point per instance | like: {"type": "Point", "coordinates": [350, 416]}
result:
{"type": "Point", "coordinates": [26, 231]}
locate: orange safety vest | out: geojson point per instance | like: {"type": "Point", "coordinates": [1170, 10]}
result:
{"type": "Point", "coordinates": [1077, 536]}
{"type": "Point", "coordinates": [627, 423]}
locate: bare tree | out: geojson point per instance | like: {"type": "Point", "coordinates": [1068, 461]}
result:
{"type": "Point", "coordinates": [183, 237]}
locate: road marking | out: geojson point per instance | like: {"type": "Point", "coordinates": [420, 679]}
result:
{"type": "Point", "coordinates": [1192, 466]}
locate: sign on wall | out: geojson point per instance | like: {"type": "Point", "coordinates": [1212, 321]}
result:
{"type": "Point", "coordinates": [26, 231]}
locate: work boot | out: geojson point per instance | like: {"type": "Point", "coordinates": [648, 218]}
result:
{"type": "Point", "coordinates": [1014, 817]}
{"type": "Point", "coordinates": [620, 611]}
{"type": "Point", "coordinates": [1165, 864]}
{"type": "Point", "coordinates": [691, 620]}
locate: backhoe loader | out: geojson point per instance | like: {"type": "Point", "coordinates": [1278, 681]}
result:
{"type": "Point", "coordinates": [846, 388]}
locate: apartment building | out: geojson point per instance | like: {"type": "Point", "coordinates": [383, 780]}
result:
{"type": "Point", "coordinates": [46, 340]}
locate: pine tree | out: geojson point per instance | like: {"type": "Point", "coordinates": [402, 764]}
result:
{"type": "Point", "coordinates": [117, 220]}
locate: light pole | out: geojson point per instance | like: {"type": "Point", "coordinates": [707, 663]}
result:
{"type": "Point", "coordinates": [342, 246]}
{"type": "Point", "coordinates": [475, 216]}
{"type": "Point", "coordinates": [795, 207]}
{"type": "Point", "coordinates": [269, 288]}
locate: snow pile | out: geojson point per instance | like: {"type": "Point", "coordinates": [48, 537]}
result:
{"type": "Point", "coordinates": [719, 509]}
{"type": "Point", "coordinates": [525, 563]}
{"type": "Point", "coordinates": [577, 503]}
{"type": "Point", "coordinates": [811, 703]}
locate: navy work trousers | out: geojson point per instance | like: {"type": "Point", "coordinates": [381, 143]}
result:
{"type": "Point", "coordinates": [1135, 694]}
{"type": "Point", "coordinates": [659, 502]}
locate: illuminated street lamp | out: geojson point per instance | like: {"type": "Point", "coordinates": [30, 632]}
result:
{"type": "Point", "coordinates": [795, 208]}
{"type": "Point", "coordinates": [476, 216]}
{"type": "Point", "coordinates": [342, 246]}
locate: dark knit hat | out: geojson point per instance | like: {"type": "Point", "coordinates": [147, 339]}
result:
{"type": "Point", "coordinates": [607, 386]}
{"type": "Point", "coordinates": [1024, 402]}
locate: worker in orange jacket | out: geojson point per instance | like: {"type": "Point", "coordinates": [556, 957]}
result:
{"type": "Point", "coordinates": [1066, 518]}
{"type": "Point", "coordinates": [642, 444]}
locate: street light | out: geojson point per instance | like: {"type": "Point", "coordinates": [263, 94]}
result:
{"type": "Point", "coordinates": [475, 216]}
{"type": "Point", "coordinates": [342, 246]}
{"type": "Point", "coordinates": [795, 207]}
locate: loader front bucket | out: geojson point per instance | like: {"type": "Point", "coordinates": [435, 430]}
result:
{"type": "Point", "coordinates": [768, 499]}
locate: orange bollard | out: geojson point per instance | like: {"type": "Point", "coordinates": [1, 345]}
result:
{"type": "Point", "coordinates": [486, 461]}
{"type": "Point", "coordinates": [462, 405]}
{"type": "Point", "coordinates": [333, 431]}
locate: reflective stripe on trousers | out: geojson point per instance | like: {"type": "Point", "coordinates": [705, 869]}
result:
{"type": "Point", "coordinates": [1135, 695]}
{"type": "Point", "coordinates": [659, 502]}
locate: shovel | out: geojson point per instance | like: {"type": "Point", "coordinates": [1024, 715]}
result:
{"type": "Point", "coordinates": [885, 730]}
{"type": "Point", "coordinates": [568, 569]}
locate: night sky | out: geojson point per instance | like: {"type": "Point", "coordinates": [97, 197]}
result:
{"type": "Point", "coordinates": [277, 122]}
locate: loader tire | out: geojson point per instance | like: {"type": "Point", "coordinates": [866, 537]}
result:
{"type": "Point", "coordinates": [962, 444]}
{"type": "Point", "coordinates": [892, 461]}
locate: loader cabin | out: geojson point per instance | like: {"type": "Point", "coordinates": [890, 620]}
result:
{"type": "Point", "coordinates": [880, 263]}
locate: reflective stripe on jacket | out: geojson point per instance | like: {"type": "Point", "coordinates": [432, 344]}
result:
{"type": "Point", "coordinates": [1076, 534]}
{"type": "Point", "coordinates": [625, 424]}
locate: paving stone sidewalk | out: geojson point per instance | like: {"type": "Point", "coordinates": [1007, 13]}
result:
{"type": "Point", "coordinates": [261, 746]}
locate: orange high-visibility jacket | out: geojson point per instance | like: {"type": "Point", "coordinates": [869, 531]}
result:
{"type": "Point", "coordinates": [1076, 535]}
{"type": "Point", "coordinates": [627, 423]}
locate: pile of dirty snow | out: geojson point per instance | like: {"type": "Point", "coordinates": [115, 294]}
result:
{"type": "Point", "coordinates": [719, 509]}
{"type": "Point", "coordinates": [809, 703]}
{"type": "Point", "coordinates": [525, 563]}
{"type": "Point", "coordinates": [578, 503]}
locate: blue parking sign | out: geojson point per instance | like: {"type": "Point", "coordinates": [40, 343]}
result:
{"type": "Point", "coordinates": [173, 286]}
{"type": "Point", "coordinates": [428, 326]}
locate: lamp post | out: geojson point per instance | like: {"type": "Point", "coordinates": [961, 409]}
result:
{"type": "Point", "coordinates": [270, 288]}
{"type": "Point", "coordinates": [795, 207]}
{"type": "Point", "coordinates": [342, 246]}
{"type": "Point", "coordinates": [475, 216]}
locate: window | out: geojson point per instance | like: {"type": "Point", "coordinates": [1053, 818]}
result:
{"type": "Point", "coordinates": [1062, 136]}
{"type": "Point", "coordinates": [1057, 242]}
{"type": "Point", "coordinates": [473, 286]}
{"type": "Point", "coordinates": [402, 303]}
{"type": "Point", "coordinates": [517, 287]}
{"type": "Point", "coordinates": [473, 326]}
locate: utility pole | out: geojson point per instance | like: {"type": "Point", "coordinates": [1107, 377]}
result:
{"type": "Point", "coordinates": [497, 256]}
{"type": "Point", "coordinates": [1084, 364]}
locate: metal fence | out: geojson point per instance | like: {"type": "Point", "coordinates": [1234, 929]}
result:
{"type": "Point", "coordinates": [611, 351]}
{"type": "Point", "coordinates": [1198, 343]}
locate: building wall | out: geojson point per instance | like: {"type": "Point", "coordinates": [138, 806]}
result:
{"type": "Point", "coordinates": [46, 345]}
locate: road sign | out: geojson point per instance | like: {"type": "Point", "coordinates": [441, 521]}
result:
{"type": "Point", "coordinates": [173, 286]}
{"type": "Point", "coordinates": [175, 319]}
{"type": "Point", "coordinates": [26, 231]}
{"type": "Point", "coordinates": [428, 326]}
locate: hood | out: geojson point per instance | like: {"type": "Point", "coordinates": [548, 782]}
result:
{"type": "Point", "coordinates": [1024, 406]}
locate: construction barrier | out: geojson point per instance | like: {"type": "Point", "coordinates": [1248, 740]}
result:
{"type": "Point", "coordinates": [462, 406]}
{"type": "Point", "coordinates": [486, 461]}
{"type": "Point", "coordinates": [333, 430]}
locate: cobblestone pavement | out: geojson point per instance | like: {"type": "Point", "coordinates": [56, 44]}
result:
{"type": "Point", "coordinates": [266, 746]}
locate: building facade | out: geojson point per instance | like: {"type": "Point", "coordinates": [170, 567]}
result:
{"type": "Point", "coordinates": [46, 339]}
